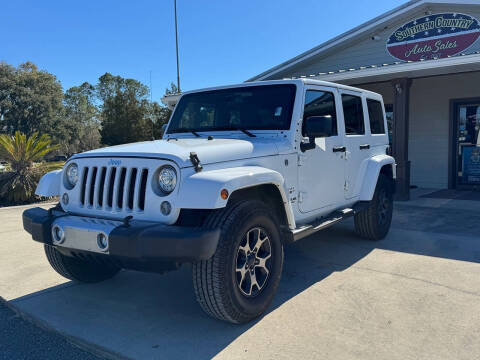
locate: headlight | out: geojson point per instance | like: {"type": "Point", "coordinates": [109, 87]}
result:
{"type": "Point", "coordinates": [167, 179]}
{"type": "Point", "coordinates": [71, 175]}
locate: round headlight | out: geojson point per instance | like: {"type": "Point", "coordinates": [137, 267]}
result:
{"type": "Point", "coordinates": [71, 174]}
{"type": "Point", "coordinates": [167, 179]}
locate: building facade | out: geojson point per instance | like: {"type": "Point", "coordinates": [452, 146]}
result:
{"type": "Point", "coordinates": [424, 58]}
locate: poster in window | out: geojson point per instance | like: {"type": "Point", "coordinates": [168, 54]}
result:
{"type": "Point", "coordinates": [471, 165]}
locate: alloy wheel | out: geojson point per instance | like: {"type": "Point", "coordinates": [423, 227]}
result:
{"type": "Point", "coordinates": [253, 262]}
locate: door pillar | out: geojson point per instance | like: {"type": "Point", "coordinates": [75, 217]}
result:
{"type": "Point", "coordinates": [401, 88]}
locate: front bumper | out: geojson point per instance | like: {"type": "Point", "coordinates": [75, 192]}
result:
{"type": "Point", "coordinates": [136, 241]}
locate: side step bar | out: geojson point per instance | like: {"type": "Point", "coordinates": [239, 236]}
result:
{"type": "Point", "coordinates": [333, 218]}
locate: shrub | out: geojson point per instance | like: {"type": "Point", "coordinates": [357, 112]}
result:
{"type": "Point", "coordinates": [22, 153]}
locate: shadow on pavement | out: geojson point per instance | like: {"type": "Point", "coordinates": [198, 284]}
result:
{"type": "Point", "coordinates": [144, 315]}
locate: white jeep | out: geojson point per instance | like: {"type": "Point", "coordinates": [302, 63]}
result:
{"type": "Point", "coordinates": [241, 171]}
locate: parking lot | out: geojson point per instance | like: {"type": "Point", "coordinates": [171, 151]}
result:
{"type": "Point", "coordinates": [414, 295]}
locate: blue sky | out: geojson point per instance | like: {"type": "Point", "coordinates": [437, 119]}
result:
{"type": "Point", "coordinates": [221, 42]}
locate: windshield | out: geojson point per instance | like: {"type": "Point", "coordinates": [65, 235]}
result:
{"type": "Point", "coordinates": [266, 107]}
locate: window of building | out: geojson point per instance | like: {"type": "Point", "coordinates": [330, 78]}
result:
{"type": "Point", "coordinates": [375, 114]}
{"type": "Point", "coordinates": [353, 115]}
{"type": "Point", "coordinates": [320, 103]}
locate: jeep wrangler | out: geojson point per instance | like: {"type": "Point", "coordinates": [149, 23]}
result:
{"type": "Point", "coordinates": [240, 172]}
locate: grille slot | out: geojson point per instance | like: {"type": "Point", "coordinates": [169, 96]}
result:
{"type": "Point", "coordinates": [84, 184]}
{"type": "Point", "coordinates": [131, 188]}
{"type": "Point", "coordinates": [101, 186]}
{"type": "Point", "coordinates": [91, 185]}
{"type": "Point", "coordinates": [113, 173]}
{"type": "Point", "coordinates": [121, 185]}
{"type": "Point", "coordinates": [143, 188]}
{"type": "Point", "coordinates": [113, 188]}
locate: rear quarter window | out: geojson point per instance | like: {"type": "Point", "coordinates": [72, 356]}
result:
{"type": "Point", "coordinates": [353, 115]}
{"type": "Point", "coordinates": [375, 113]}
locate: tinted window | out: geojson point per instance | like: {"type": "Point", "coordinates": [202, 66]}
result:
{"type": "Point", "coordinates": [267, 107]}
{"type": "Point", "coordinates": [320, 103]}
{"type": "Point", "coordinates": [353, 114]}
{"type": "Point", "coordinates": [375, 113]}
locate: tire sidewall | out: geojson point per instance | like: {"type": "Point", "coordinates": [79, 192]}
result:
{"type": "Point", "coordinates": [383, 185]}
{"type": "Point", "coordinates": [254, 306]}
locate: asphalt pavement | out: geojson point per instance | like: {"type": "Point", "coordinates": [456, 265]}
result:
{"type": "Point", "coordinates": [21, 339]}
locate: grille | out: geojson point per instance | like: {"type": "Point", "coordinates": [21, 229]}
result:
{"type": "Point", "coordinates": [113, 188]}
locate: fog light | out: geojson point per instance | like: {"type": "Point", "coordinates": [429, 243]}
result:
{"type": "Point", "coordinates": [58, 234]}
{"type": "Point", "coordinates": [165, 208]}
{"type": "Point", "coordinates": [102, 241]}
{"type": "Point", "coordinates": [65, 199]}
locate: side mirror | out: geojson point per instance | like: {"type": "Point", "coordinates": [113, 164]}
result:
{"type": "Point", "coordinates": [315, 127]}
{"type": "Point", "coordinates": [318, 126]}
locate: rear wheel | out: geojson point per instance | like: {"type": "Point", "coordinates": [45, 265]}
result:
{"type": "Point", "coordinates": [374, 222]}
{"type": "Point", "coordinates": [238, 283]}
{"type": "Point", "coordinates": [79, 270]}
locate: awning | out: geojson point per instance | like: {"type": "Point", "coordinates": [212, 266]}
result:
{"type": "Point", "coordinates": [386, 72]}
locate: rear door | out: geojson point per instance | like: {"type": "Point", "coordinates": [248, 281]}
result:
{"type": "Point", "coordinates": [356, 140]}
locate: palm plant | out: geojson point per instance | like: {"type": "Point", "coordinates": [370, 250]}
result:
{"type": "Point", "coordinates": [22, 152]}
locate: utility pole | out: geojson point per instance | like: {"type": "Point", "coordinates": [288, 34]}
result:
{"type": "Point", "coordinates": [176, 43]}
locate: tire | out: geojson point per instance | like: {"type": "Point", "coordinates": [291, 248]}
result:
{"type": "Point", "coordinates": [218, 283]}
{"type": "Point", "coordinates": [374, 222]}
{"type": "Point", "coordinates": [79, 270]}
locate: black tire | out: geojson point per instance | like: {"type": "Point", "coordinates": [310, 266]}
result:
{"type": "Point", "coordinates": [219, 287]}
{"type": "Point", "coordinates": [374, 222]}
{"type": "Point", "coordinates": [79, 270]}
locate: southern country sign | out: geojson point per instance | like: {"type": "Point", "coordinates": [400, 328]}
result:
{"type": "Point", "coordinates": [434, 37]}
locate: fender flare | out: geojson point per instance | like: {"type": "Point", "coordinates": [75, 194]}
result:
{"type": "Point", "coordinates": [49, 184]}
{"type": "Point", "coordinates": [374, 166]}
{"type": "Point", "coordinates": [202, 190]}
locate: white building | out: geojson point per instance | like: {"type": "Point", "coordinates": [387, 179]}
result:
{"type": "Point", "coordinates": [424, 58]}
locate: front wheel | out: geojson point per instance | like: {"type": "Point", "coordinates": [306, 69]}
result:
{"type": "Point", "coordinates": [238, 283]}
{"type": "Point", "coordinates": [374, 222]}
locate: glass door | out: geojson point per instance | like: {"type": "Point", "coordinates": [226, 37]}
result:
{"type": "Point", "coordinates": [468, 145]}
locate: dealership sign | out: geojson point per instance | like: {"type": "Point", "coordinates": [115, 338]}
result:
{"type": "Point", "coordinates": [433, 37]}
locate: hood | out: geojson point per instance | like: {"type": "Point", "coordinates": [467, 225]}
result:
{"type": "Point", "coordinates": [178, 150]}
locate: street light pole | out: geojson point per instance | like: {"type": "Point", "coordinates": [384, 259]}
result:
{"type": "Point", "coordinates": [176, 43]}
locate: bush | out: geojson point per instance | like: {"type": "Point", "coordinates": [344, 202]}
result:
{"type": "Point", "coordinates": [23, 154]}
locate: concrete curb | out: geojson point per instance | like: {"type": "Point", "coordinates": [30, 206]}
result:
{"type": "Point", "coordinates": [86, 346]}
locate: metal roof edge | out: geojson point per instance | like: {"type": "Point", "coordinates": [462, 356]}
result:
{"type": "Point", "coordinates": [366, 71]}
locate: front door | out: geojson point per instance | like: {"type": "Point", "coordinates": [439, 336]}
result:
{"type": "Point", "coordinates": [467, 149]}
{"type": "Point", "coordinates": [321, 171]}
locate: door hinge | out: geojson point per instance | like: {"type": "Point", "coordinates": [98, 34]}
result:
{"type": "Point", "coordinates": [345, 186]}
{"type": "Point", "coordinates": [301, 196]}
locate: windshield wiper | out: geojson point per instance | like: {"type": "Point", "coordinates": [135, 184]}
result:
{"type": "Point", "coordinates": [246, 132]}
{"type": "Point", "coordinates": [195, 133]}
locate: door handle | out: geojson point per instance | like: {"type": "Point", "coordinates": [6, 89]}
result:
{"type": "Point", "coordinates": [365, 147]}
{"type": "Point", "coordinates": [339, 149]}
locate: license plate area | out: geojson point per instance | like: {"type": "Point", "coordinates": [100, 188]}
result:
{"type": "Point", "coordinates": [81, 233]}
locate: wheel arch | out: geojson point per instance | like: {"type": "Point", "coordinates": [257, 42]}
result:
{"type": "Point", "coordinates": [49, 184]}
{"type": "Point", "coordinates": [273, 196]}
{"type": "Point", "coordinates": [380, 164]}
{"type": "Point", "coordinates": [202, 190]}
